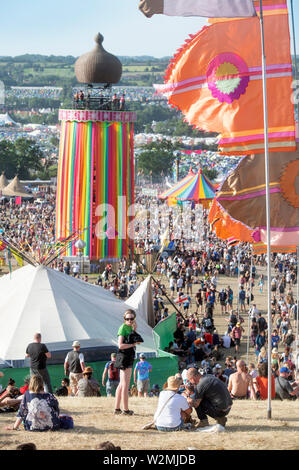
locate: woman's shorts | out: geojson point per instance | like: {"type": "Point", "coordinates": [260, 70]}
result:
{"type": "Point", "coordinates": [124, 361]}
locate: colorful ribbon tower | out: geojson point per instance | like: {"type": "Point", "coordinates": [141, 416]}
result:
{"type": "Point", "coordinates": [95, 183]}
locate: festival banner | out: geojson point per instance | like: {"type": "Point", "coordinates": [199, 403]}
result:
{"type": "Point", "coordinates": [206, 8]}
{"type": "Point", "coordinates": [240, 207]}
{"type": "Point", "coordinates": [216, 81]}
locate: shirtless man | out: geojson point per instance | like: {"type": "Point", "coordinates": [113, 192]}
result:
{"type": "Point", "coordinates": [240, 381]}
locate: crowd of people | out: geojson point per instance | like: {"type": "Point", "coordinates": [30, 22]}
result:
{"type": "Point", "coordinates": [208, 369]}
{"type": "Point", "coordinates": [30, 226]}
{"type": "Point", "coordinates": [211, 324]}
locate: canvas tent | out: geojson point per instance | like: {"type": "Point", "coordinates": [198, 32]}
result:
{"type": "Point", "coordinates": [5, 119]}
{"type": "Point", "coordinates": [3, 182]}
{"type": "Point", "coordinates": [63, 309]}
{"type": "Point", "coordinates": [143, 303]}
{"type": "Point", "coordinates": [15, 188]}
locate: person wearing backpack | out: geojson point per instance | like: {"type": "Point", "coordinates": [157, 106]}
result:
{"type": "Point", "coordinates": [112, 374]}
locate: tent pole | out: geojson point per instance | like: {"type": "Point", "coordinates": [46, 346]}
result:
{"type": "Point", "coordinates": [169, 300]}
{"type": "Point", "coordinates": [297, 314]}
{"type": "Point", "coordinates": [159, 285]}
{"type": "Point", "coordinates": [239, 247]}
{"type": "Point", "coordinates": [295, 51]}
{"type": "Point", "coordinates": [250, 294]}
{"type": "Point", "coordinates": [267, 180]}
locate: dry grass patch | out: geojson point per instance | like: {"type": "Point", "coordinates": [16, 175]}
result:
{"type": "Point", "coordinates": [247, 428]}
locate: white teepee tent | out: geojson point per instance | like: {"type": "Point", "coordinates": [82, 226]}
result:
{"type": "Point", "coordinates": [63, 309]}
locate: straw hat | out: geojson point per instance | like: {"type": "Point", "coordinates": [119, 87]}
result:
{"type": "Point", "coordinates": [88, 370]}
{"type": "Point", "coordinates": [173, 383]}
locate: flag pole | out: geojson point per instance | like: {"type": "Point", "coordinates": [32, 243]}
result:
{"type": "Point", "coordinates": [297, 313]}
{"type": "Point", "coordinates": [295, 51]}
{"type": "Point", "coordinates": [267, 180]}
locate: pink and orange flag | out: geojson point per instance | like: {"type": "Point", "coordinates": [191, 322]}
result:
{"type": "Point", "coordinates": [216, 81]}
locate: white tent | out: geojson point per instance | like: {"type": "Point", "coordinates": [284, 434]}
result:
{"type": "Point", "coordinates": [141, 302]}
{"type": "Point", "coordinates": [6, 119]}
{"type": "Point", "coordinates": [63, 309]}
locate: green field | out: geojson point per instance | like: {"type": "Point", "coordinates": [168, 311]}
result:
{"type": "Point", "coordinates": [39, 70]}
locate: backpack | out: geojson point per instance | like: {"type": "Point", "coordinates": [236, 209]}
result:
{"type": "Point", "coordinates": [208, 323]}
{"type": "Point", "coordinates": [66, 422]}
{"type": "Point", "coordinates": [113, 372]}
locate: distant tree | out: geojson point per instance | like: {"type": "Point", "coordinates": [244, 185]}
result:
{"type": "Point", "coordinates": [156, 157]}
{"type": "Point", "coordinates": [211, 173]}
{"type": "Point", "coordinates": [20, 158]}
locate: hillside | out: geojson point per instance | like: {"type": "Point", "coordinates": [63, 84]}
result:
{"type": "Point", "coordinates": [58, 71]}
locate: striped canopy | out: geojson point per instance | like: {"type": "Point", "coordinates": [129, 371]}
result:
{"type": "Point", "coordinates": [194, 187]}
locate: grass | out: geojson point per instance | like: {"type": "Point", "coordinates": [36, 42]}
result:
{"type": "Point", "coordinates": [247, 428]}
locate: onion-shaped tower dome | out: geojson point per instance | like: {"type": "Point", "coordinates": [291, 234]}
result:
{"type": "Point", "coordinates": [98, 65]}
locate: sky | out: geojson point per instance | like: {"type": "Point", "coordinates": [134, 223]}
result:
{"type": "Point", "coordinates": [67, 27]}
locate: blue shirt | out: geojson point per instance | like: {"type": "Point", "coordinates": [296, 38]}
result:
{"type": "Point", "coordinates": [143, 370]}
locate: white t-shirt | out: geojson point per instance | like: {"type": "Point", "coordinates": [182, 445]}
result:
{"type": "Point", "coordinates": [170, 417]}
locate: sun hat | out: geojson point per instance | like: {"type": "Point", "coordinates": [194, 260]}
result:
{"type": "Point", "coordinates": [75, 344]}
{"type": "Point", "coordinates": [88, 370]}
{"type": "Point", "coordinates": [173, 383]}
{"type": "Point", "coordinates": [275, 350]}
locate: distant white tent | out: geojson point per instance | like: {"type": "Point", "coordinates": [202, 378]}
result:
{"type": "Point", "coordinates": [143, 303]}
{"type": "Point", "coordinates": [6, 119]}
{"type": "Point", "coordinates": [63, 309]}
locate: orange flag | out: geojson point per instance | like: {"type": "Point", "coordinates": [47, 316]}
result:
{"type": "Point", "coordinates": [216, 81]}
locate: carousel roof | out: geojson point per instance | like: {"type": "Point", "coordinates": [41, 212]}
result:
{"type": "Point", "coordinates": [194, 187]}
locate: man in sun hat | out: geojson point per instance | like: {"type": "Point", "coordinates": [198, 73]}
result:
{"type": "Point", "coordinates": [74, 366]}
{"type": "Point", "coordinates": [172, 407]}
{"type": "Point", "coordinates": [88, 386]}
{"type": "Point", "coordinates": [283, 387]}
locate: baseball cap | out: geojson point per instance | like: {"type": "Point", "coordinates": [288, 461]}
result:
{"type": "Point", "coordinates": [218, 366]}
{"type": "Point", "coordinates": [142, 355]}
{"type": "Point", "coordinates": [75, 344]}
{"type": "Point", "coordinates": [284, 369]}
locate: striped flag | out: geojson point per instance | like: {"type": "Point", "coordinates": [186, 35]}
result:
{"type": "Point", "coordinates": [215, 80]}
{"type": "Point", "coordinates": [232, 241]}
{"type": "Point", "coordinates": [206, 8]}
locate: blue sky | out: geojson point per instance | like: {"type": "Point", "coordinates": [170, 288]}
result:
{"type": "Point", "coordinates": [67, 27]}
